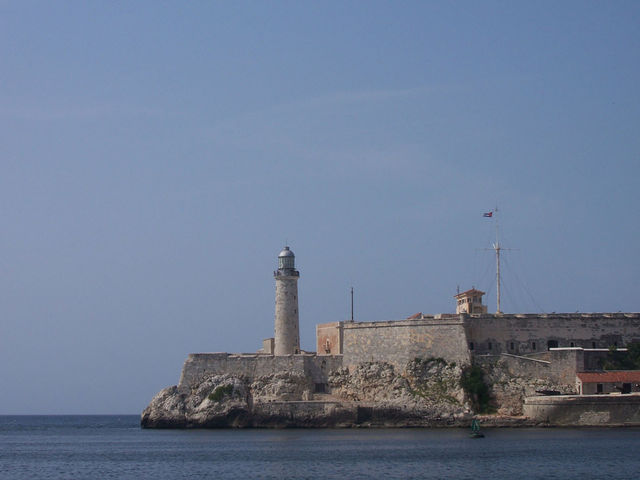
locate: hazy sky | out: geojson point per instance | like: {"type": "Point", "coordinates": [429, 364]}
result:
{"type": "Point", "coordinates": [156, 156]}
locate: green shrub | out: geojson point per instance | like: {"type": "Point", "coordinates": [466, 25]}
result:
{"type": "Point", "coordinates": [220, 392]}
{"type": "Point", "coordinates": [472, 382]}
{"type": "Point", "coordinates": [429, 360]}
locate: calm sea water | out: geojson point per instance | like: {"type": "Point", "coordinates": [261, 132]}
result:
{"type": "Point", "coordinates": [103, 447]}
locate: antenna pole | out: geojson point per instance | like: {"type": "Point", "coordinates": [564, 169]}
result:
{"type": "Point", "coordinates": [352, 304]}
{"type": "Point", "coordinates": [496, 247]}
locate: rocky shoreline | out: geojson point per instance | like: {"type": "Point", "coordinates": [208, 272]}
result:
{"type": "Point", "coordinates": [426, 393]}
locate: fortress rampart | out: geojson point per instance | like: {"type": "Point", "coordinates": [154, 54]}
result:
{"type": "Point", "coordinates": [397, 342]}
{"type": "Point", "coordinates": [457, 337]}
{"type": "Point", "coordinates": [532, 333]}
{"type": "Point", "coordinates": [199, 366]}
{"type": "Point", "coordinates": [557, 366]}
{"type": "Point", "coordinates": [453, 337]}
{"type": "Point", "coordinates": [589, 410]}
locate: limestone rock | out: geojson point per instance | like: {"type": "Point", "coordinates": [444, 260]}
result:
{"type": "Point", "coordinates": [166, 410]}
{"type": "Point", "coordinates": [508, 388]}
{"type": "Point", "coordinates": [281, 386]}
{"type": "Point", "coordinates": [219, 401]}
{"type": "Point", "coordinates": [426, 392]}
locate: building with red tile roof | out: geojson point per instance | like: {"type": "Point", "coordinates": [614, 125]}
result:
{"type": "Point", "coordinates": [612, 381]}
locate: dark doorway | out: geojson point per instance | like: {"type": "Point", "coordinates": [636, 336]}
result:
{"type": "Point", "coordinates": [552, 344]}
{"type": "Point", "coordinates": [320, 388]}
{"type": "Point", "coordinates": [626, 388]}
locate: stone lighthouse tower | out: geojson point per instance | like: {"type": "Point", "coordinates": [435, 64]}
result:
{"type": "Point", "coordinates": [287, 335]}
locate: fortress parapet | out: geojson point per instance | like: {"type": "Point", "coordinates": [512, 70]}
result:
{"type": "Point", "coordinates": [199, 366]}
{"type": "Point", "coordinates": [456, 338]}
{"type": "Point", "coordinates": [532, 333]}
{"type": "Point", "coordinates": [395, 342]}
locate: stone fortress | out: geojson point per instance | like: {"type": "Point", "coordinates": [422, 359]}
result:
{"type": "Point", "coordinates": [522, 353]}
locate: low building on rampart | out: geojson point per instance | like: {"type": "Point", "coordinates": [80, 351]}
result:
{"type": "Point", "coordinates": [470, 302]}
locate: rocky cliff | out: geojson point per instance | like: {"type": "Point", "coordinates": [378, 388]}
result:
{"type": "Point", "coordinates": [424, 393]}
{"type": "Point", "coordinates": [508, 385]}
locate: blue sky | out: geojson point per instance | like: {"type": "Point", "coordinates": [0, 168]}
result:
{"type": "Point", "coordinates": [156, 156]}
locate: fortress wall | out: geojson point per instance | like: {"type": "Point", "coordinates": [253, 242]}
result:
{"type": "Point", "coordinates": [398, 342]}
{"type": "Point", "coordinates": [530, 333]}
{"type": "Point", "coordinates": [199, 366]}
{"type": "Point", "coordinates": [319, 367]}
{"type": "Point", "coordinates": [585, 410]}
{"type": "Point", "coordinates": [561, 367]}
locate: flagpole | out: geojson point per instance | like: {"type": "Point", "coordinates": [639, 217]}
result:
{"type": "Point", "coordinates": [496, 247]}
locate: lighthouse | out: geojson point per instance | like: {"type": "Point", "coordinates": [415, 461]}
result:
{"type": "Point", "coordinates": [287, 334]}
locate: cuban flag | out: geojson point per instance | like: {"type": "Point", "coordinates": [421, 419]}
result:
{"type": "Point", "coordinates": [488, 214]}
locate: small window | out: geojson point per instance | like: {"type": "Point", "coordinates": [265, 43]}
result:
{"type": "Point", "coordinates": [599, 388]}
{"type": "Point", "coordinates": [533, 345]}
{"type": "Point", "coordinates": [512, 346]}
{"type": "Point", "coordinates": [593, 344]}
{"type": "Point", "coordinates": [573, 344]}
{"type": "Point", "coordinates": [490, 346]}
{"type": "Point", "coordinates": [470, 345]}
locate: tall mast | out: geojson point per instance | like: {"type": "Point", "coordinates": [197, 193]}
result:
{"type": "Point", "coordinates": [497, 248]}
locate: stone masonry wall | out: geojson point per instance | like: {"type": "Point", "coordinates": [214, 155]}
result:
{"type": "Point", "coordinates": [557, 366]}
{"type": "Point", "coordinates": [199, 366]}
{"type": "Point", "coordinates": [586, 410]}
{"type": "Point", "coordinates": [531, 333]}
{"type": "Point", "coordinates": [398, 342]}
{"type": "Point", "coordinates": [511, 379]}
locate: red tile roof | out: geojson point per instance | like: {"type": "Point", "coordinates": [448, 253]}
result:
{"type": "Point", "coordinates": [473, 291]}
{"type": "Point", "coordinates": [612, 376]}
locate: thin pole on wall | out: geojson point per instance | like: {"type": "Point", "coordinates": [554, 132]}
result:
{"type": "Point", "coordinates": [352, 304]}
{"type": "Point", "coordinates": [496, 247]}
